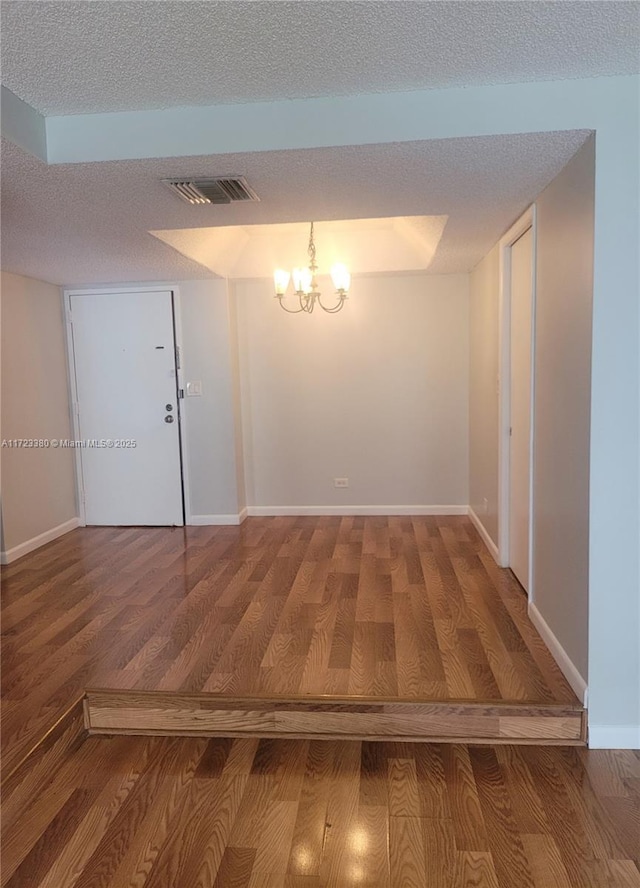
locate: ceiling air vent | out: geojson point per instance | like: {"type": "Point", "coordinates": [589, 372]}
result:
{"type": "Point", "coordinates": [223, 190]}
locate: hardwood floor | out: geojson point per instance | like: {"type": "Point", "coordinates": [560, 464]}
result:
{"type": "Point", "coordinates": [389, 607]}
{"type": "Point", "coordinates": [381, 611]}
{"type": "Point", "coordinates": [167, 812]}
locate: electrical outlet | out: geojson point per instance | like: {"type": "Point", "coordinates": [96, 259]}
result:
{"type": "Point", "coordinates": [340, 482]}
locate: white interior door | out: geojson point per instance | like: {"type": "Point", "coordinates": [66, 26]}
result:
{"type": "Point", "coordinates": [520, 408]}
{"type": "Point", "coordinates": [125, 374]}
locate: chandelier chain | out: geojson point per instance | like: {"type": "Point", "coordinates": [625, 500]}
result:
{"type": "Point", "coordinates": [312, 251]}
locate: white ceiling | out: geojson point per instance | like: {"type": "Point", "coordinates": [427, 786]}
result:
{"type": "Point", "coordinates": [91, 222]}
{"type": "Point", "coordinates": [80, 57]}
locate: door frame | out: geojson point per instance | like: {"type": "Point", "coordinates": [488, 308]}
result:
{"type": "Point", "coordinates": [524, 223]}
{"type": "Point", "coordinates": [180, 384]}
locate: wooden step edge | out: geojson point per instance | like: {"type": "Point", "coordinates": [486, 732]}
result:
{"type": "Point", "coordinates": [215, 716]}
{"type": "Point", "coordinates": [372, 738]}
{"type": "Point", "coordinates": [76, 713]}
{"type": "Point", "coordinates": [207, 700]}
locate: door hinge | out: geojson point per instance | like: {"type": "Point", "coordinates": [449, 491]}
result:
{"type": "Point", "coordinates": [177, 357]}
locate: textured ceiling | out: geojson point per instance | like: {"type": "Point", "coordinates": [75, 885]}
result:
{"type": "Point", "coordinates": [90, 223]}
{"type": "Point", "coordinates": [79, 57]}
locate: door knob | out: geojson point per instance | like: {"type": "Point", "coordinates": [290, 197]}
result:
{"type": "Point", "coordinates": [168, 418]}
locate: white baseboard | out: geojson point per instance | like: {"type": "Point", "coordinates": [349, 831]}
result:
{"type": "Point", "coordinates": [272, 511]}
{"type": "Point", "coordinates": [218, 520]}
{"type": "Point", "coordinates": [614, 736]}
{"type": "Point", "coordinates": [486, 539]}
{"type": "Point", "coordinates": [559, 654]}
{"type": "Point", "coordinates": [37, 541]}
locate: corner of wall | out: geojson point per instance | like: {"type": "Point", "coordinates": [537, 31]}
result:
{"type": "Point", "coordinates": [567, 666]}
{"type": "Point", "coordinates": [484, 535]}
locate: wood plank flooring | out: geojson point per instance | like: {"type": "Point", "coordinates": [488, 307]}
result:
{"type": "Point", "coordinates": [166, 812]}
{"type": "Point", "coordinates": [389, 607]}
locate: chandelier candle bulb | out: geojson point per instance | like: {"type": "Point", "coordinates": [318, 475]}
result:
{"type": "Point", "coordinates": [302, 280]}
{"type": "Point", "coordinates": [281, 281]}
{"type": "Point", "coordinates": [341, 277]}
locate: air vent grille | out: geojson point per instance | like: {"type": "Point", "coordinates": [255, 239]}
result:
{"type": "Point", "coordinates": [221, 190]}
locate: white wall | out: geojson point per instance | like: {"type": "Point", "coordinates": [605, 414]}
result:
{"type": "Point", "coordinates": [38, 484]}
{"type": "Point", "coordinates": [564, 290]}
{"type": "Point", "coordinates": [614, 497]}
{"type": "Point", "coordinates": [483, 391]}
{"type": "Point", "coordinates": [377, 393]}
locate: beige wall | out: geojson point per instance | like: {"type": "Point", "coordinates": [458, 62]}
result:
{"type": "Point", "coordinates": [38, 484]}
{"type": "Point", "coordinates": [236, 394]}
{"type": "Point", "coordinates": [564, 267]}
{"type": "Point", "coordinates": [378, 394]}
{"type": "Point", "coordinates": [483, 391]}
{"type": "Point", "coordinates": [209, 356]}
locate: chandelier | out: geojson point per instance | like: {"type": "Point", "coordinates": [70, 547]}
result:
{"type": "Point", "coordinates": [306, 286]}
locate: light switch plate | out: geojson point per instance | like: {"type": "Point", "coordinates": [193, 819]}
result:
{"type": "Point", "coordinates": [194, 389]}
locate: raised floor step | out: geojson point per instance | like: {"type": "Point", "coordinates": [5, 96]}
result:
{"type": "Point", "coordinates": [358, 718]}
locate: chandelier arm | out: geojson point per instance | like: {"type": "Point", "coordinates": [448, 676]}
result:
{"type": "Point", "coordinates": [334, 309]}
{"type": "Point", "coordinates": [291, 311]}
